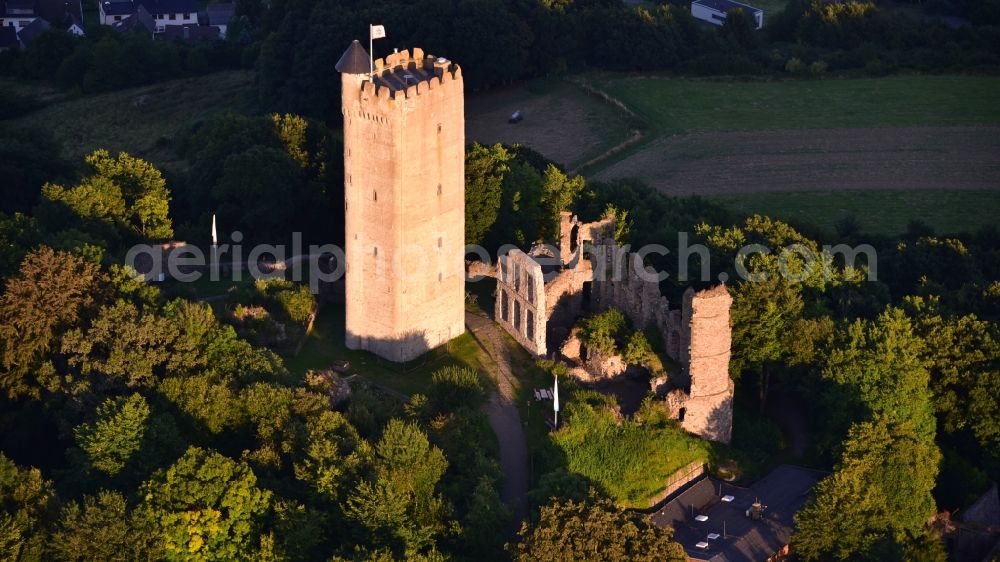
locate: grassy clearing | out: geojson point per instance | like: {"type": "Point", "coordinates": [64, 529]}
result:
{"type": "Point", "coordinates": [881, 212]}
{"type": "Point", "coordinates": [630, 460]}
{"type": "Point", "coordinates": [143, 121]}
{"type": "Point", "coordinates": [326, 344]}
{"type": "Point", "coordinates": [682, 105]}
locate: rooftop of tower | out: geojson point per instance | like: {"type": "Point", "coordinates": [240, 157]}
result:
{"type": "Point", "coordinates": [398, 71]}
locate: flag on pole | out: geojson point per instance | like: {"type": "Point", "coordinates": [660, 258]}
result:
{"type": "Point", "coordinates": [374, 32]}
{"type": "Point", "coordinates": [555, 396]}
{"type": "Point", "coordinates": [215, 234]}
{"type": "Point", "coordinates": [555, 403]}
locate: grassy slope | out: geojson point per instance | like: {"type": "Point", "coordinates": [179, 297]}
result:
{"type": "Point", "coordinates": [688, 105]}
{"type": "Point", "coordinates": [632, 461]}
{"type": "Point", "coordinates": [142, 121]}
{"type": "Point", "coordinates": [326, 344]}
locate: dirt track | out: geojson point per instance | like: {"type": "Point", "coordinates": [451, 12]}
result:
{"type": "Point", "coordinates": [958, 157]}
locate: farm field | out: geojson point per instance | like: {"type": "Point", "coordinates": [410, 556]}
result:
{"type": "Point", "coordinates": [563, 122]}
{"type": "Point", "coordinates": [685, 105]}
{"type": "Point", "coordinates": [143, 120]}
{"type": "Point", "coordinates": [820, 148]}
{"type": "Point", "coordinates": [946, 210]}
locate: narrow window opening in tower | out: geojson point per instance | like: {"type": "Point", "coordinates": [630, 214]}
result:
{"type": "Point", "coordinates": [439, 190]}
{"type": "Point", "coordinates": [439, 128]}
{"type": "Point", "coordinates": [440, 242]}
{"type": "Point", "coordinates": [376, 251]}
{"type": "Point", "coordinates": [348, 178]}
{"type": "Point", "coordinates": [440, 277]}
{"type": "Point", "coordinates": [374, 196]}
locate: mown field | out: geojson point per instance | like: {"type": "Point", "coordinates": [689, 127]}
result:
{"type": "Point", "coordinates": [143, 121]}
{"type": "Point", "coordinates": [563, 122]}
{"type": "Point", "coordinates": [687, 105]}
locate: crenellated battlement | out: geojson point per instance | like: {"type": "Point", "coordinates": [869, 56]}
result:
{"type": "Point", "coordinates": [411, 73]}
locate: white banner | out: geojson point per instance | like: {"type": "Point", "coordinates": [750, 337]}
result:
{"type": "Point", "coordinates": [377, 31]}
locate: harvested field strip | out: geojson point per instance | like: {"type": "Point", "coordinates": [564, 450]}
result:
{"type": "Point", "coordinates": [960, 157]}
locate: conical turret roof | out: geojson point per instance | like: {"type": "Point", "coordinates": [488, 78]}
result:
{"type": "Point", "coordinates": [355, 60]}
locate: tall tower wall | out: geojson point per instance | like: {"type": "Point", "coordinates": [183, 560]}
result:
{"type": "Point", "coordinates": [707, 336]}
{"type": "Point", "coordinates": [404, 173]}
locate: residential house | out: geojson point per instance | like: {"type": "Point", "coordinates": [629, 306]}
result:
{"type": "Point", "coordinates": [716, 521]}
{"type": "Point", "coordinates": [163, 12]}
{"type": "Point", "coordinates": [18, 13]}
{"type": "Point", "coordinates": [30, 32]}
{"type": "Point", "coordinates": [171, 12]}
{"type": "Point", "coordinates": [715, 11]}
{"type": "Point", "coordinates": [64, 14]}
{"type": "Point", "coordinates": [111, 12]}
{"type": "Point", "coordinates": [140, 20]}
{"type": "Point", "coordinates": [8, 38]}
{"type": "Point", "coordinates": [219, 15]}
{"type": "Point", "coordinates": [191, 33]}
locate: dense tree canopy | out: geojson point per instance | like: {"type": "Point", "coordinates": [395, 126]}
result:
{"type": "Point", "coordinates": [594, 530]}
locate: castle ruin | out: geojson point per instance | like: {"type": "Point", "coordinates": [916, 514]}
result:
{"type": "Point", "coordinates": [543, 291]}
{"type": "Point", "coordinates": [404, 201]}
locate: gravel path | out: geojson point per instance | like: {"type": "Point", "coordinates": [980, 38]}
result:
{"type": "Point", "coordinates": [504, 417]}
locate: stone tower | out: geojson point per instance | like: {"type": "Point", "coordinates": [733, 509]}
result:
{"type": "Point", "coordinates": [706, 338]}
{"type": "Point", "coordinates": [404, 201]}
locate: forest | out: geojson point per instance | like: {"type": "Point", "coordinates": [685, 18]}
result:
{"type": "Point", "coordinates": [144, 422]}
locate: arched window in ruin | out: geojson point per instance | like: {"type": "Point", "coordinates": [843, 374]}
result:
{"type": "Point", "coordinates": [529, 326]}
{"type": "Point", "coordinates": [504, 306]}
{"type": "Point", "coordinates": [574, 235]}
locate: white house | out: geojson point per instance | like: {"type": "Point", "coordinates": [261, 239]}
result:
{"type": "Point", "coordinates": [219, 15]}
{"type": "Point", "coordinates": [112, 11]}
{"type": "Point", "coordinates": [171, 12]}
{"type": "Point", "coordinates": [17, 14]}
{"type": "Point", "coordinates": [164, 12]}
{"type": "Point", "coordinates": [714, 11]}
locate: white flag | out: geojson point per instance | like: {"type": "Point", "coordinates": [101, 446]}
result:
{"type": "Point", "coordinates": [555, 396]}
{"type": "Point", "coordinates": [377, 31]}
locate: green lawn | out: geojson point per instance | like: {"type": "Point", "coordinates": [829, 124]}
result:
{"type": "Point", "coordinates": [679, 105]}
{"type": "Point", "coordinates": [884, 212]}
{"type": "Point", "coordinates": [326, 344]}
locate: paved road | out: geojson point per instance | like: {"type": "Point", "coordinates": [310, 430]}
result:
{"type": "Point", "coordinates": [504, 417]}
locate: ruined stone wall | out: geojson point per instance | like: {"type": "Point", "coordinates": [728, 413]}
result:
{"type": "Point", "coordinates": [698, 337]}
{"type": "Point", "coordinates": [404, 158]}
{"type": "Point", "coordinates": [574, 235]}
{"type": "Point", "coordinates": [521, 301]}
{"type": "Point", "coordinates": [618, 284]}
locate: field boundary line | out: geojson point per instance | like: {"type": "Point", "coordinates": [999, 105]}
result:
{"type": "Point", "coordinates": [637, 134]}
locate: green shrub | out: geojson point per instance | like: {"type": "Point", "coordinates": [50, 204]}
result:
{"type": "Point", "coordinates": [454, 388]}
{"type": "Point", "coordinates": [818, 68]}
{"type": "Point", "coordinates": [795, 66]}
{"type": "Point", "coordinates": [602, 332]}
